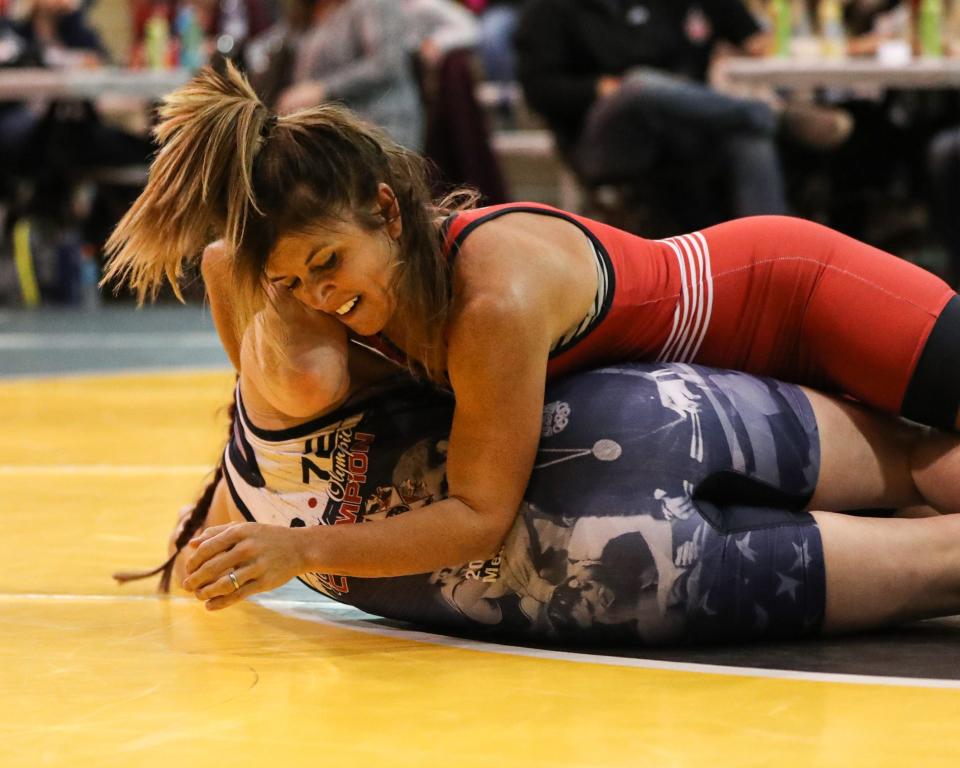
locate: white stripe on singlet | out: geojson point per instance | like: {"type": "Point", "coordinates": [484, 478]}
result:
{"type": "Point", "coordinates": [691, 318]}
{"type": "Point", "coordinates": [603, 285]}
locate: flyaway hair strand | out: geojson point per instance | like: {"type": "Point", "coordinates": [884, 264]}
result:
{"type": "Point", "coordinates": [200, 181]}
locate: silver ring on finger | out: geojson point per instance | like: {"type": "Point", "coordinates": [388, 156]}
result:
{"type": "Point", "coordinates": [234, 580]}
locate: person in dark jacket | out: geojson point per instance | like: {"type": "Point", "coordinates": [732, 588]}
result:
{"type": "Point", "coordinates": [55, 32]}
{"type": "Point", "coordinates": [622, 84]}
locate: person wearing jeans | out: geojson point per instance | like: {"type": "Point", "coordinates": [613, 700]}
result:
{"type": "Point", "coordinates": [622, 85]}
{"type": "Point", "coordinates": [653, 112]}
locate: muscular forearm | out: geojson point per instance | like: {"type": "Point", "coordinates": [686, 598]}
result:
{"type": "Point", "coordinates": [443, 534]}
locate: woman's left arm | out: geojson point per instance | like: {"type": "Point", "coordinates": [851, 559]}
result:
{"type": "Point", "coordinates": [497, 366]}
{"type": "Point", "coordinates": [499, 346]}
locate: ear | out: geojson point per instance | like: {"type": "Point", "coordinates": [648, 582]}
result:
{"type": "Point", "coordinates": [390, 210]}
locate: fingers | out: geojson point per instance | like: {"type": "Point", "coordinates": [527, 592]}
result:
{"type": "Point", "coordinates": [233, 595]}
{"type": "Point", "coordinates": [222, 593]}
{"type": "Point", "coordinates": [258, 556]}
{"type": "Point", "coordinates": [213, 569]}
{"type": "Point", "coordinates": [212, 542]}
{"type": "Point", "coordinates": [223, 585]}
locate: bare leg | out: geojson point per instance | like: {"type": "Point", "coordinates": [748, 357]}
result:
{"type": "Point", "coordinates": [921, 510]}
{"type": "Point", "coordinates": [936, 470]}
{"type": "Point", "coordinates": [887, 571]}
{"type": "Point", "coordinates": [868, 459]}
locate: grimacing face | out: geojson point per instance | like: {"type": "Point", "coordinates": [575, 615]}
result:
{"type": "Point", "coordinates": [343, 269]}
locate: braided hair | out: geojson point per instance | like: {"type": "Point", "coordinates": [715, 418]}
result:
{"type": "Point", "coordinates": [192, 523]}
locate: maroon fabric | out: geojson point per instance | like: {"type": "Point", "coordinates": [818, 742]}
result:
{"type": "Point", "coordinates": [457, 137]}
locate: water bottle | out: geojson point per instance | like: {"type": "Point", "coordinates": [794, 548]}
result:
{"type": "Point", "coordinates": [803, 43]}
{"type": "Point", "coordinates": [157, 39]}
{"type": "Point", "coordinates": [833, 37]}
{"type": "Point", "coordinates": [953, 30]}
{"type": "Point", "coordinates": [931, 29]}
{"type": "Point", "coordinates": [782, 27]}
{"type": "Point", "coordinates": [191, 38]}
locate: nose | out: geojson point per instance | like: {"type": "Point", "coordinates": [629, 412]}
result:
{"type": "Point", "coordinates": [317, 296]}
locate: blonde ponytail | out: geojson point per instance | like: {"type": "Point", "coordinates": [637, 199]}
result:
{"type": "Point", "coordinates": [200, 185]}
{"type": "Point", "coordinates": [225, 171]}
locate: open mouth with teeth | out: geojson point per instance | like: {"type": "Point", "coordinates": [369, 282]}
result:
{"type": "Point", "coordinates": [348, 306]}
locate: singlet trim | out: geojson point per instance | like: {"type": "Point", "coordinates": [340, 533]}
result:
{"type": "Point", "coordinates": [445, 228]}
{"type": "Point", "coordinates": [400, 356]}
{"type": "Point", "coordinates": [601, 251]}
{"type": "Point", "coordinates": [236, 496]}
{"type": "Point", "coordinates": [400, 387]}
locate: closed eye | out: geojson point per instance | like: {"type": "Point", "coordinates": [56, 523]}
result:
{"type": "Point", "coordinates": [328, 263]}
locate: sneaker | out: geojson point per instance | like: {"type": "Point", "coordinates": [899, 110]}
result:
{"type": "Point", "coordinates": [816, 126]}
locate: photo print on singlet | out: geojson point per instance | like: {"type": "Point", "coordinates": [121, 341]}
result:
{"type": "Point", "coordinates": [612, 542]}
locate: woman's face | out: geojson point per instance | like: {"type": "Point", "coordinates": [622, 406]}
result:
{"type": "Point", "coordinates": [344, 270]}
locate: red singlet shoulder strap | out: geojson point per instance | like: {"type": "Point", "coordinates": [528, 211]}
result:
{"type": "Point", "coordinates": [458, 225]}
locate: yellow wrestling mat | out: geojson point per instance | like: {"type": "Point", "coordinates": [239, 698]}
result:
{"type": "Point", "coordinates": [92, 473]}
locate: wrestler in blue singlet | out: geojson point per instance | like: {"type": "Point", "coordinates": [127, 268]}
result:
{"type": "Point", "coordinates": [665, 506]}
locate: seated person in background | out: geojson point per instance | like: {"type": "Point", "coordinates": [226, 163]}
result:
{"type": "Point", "coordinates": [437, 28]}
{"type": "Point", "coordinates": [943, 166]}
{"type": "Point", "coordinates": [621, 83]}
{"type": "Point", "coordinates": [57, 34]}
{"type": "Point", "coordinates": [356, 52]}
{"type": "Point", "coordinates": [498, 22]}
{"type": "Point", "coordinates": [50, 144]}
{"type": "Point", "coordinates": [269, 58]}
{"type": "Point", "coordinates": [667, 505]}
{"type": "Point", "coordinates": [54, 33]}
{"type": "Point", "coordinates": [442, 39]}
{"type": "Point", "coordinates": [877, 181]}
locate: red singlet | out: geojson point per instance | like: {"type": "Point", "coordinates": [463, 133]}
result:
{"type": "Point", "coordinates": [768, 295]}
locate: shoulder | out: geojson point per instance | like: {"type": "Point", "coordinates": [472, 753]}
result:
{"type": "Point", "coordinates": [497, 322]}
{"type": "Point", "coordinates": [215, 260]}
{"type": "Point", "coordinates": [544, 263]}
{"type": "Point", "coordinates": [496, 263]}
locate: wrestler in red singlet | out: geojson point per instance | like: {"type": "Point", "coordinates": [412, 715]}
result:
{"type": "Point", "coordinates": [769, 295]}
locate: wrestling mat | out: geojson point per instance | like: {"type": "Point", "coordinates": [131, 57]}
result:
{"type": "Point", "coordinates": [93, 469]}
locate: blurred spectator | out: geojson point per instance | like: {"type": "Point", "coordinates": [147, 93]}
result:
{"type": "Point", "coordinates": [443, 39]}
{"type": "Point", "coordinates": [356, 52]}
{"type": "Point", "coordinates": [47, 141]}
{"type": "Point", "coordinates": [622, 84]}
{"type": "Point", "coordinates": [50, 151]}
{"type": "Point", "coordinates": [271, 55]}
{"type": "Point", "coordinates": [56, 34]}
{"type": "Point", "coordinates": [944, 174]}
{"type": "Point", "coordinates": [498, 22]}
{"type": "Point", "coordinates": [438, 27]}
{"type": "Point", "coordinates": [878, 179]}
{"type": "Point", "coordinates": [52, 33]}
